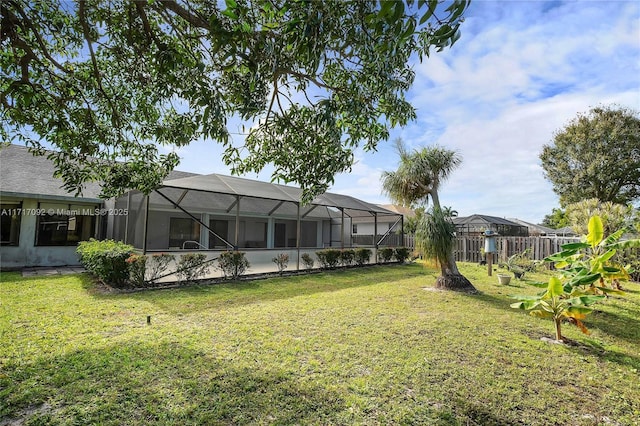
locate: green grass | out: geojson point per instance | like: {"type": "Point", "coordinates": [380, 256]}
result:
{"type": "Point", "coordinates": [362, 346]}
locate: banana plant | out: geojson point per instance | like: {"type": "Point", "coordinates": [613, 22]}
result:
{"type": "Point", "coordinates": [557, 304]}
{"type": "Point", "coordinates": [587, 274]}
{"type": "Point", "coordinates": [588, 264]}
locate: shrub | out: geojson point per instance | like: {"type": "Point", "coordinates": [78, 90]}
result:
{"type": "Point", "coordinates": [402, 254]}
{"type": "Point", "coordinates": [106, 259]}
{"type": "Point", "coordinates": [328, 258]}
{"type": "Point", "coordinates": [233, 264]}
{"type": "Point", "coordinates": [347, 256]}
{"type": "Point", "coordinates": [362, 256]}
{"type": "Point", "coordinates": [385, 254]}
{"type": "Point", "coordinates": [307, 260]}
{"type": "Point", "coordinates": [630, 259]}
{"type": "Point", "coordinates": [137, 269]}
{"type": "Point", "coordinates": [157, 265]}
{"type": "Point", "coordinates": [192, 266]}
{"type": "Point", "coordinates": [281, 261]}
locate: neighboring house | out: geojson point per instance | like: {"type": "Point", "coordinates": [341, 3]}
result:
{"type": "Point", "coordinates": [388, 227]}
{"type": "Point", "coordinates": [567, 231]}
{"type": "Point", "coordinates": [42, 223]}
{"type": "Point", "coordinates": [536, 230]}
{"type": "Point", "coordinates": [477, 224]}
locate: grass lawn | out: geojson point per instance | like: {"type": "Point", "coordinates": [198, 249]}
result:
{"type": "Point", "coordinates": [362, 346]}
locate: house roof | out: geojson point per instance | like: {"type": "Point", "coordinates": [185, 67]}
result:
{"type": "Point", "coordinates": [231, 185]}
{"type": "Point", "coordinates": [533, 227]}
{"type": "Point", "coordinates": [404, 211]}
{"type": "Point", "coordinates": [483, 219]}
{"type": "Point", "coordinates": [23, 174]}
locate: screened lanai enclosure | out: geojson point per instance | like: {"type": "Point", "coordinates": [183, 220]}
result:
{"type": "Point", "coordinates": [214, 213]}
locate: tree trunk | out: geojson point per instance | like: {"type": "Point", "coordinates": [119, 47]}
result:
{"type": "Point", "coordinates": [452, 279]}
{"type": "Point", "coordinates": [558, 322]}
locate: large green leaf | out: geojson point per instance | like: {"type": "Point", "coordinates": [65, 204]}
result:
{"type": "Point", "coordinates": [626, 244]}
{"type": "Point", "coordinates": [555, 287]}
{"type": "Point", "coordinates": [584, 300]}
{"type": "Point", "coordinates": [541, 314]}
{"type": "Point", "coordinates": [596, 231]}
{"type": "Point", "coordinates": [574, 246]}
{"type": "Point", "coordinates": [525, 304]}
{"type": "Point", "coordinates": [581, 310]}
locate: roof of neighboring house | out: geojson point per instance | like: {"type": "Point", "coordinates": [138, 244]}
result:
{"type": "Point", "coordinates": [24, 175]}
{"type": "Point", "coordinates": [540, 229]}
{"type": "Point", "coordinates": [483, 219]}
{"type": "Point", "coordinates": [567, 230]}
{"type": "Point", "coordinates": [404, 211]}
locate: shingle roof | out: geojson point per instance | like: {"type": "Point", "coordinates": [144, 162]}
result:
{"type": "Point", "coordinates": [484, 219]}
{"type": "Point", "coordinates": [23, 174]}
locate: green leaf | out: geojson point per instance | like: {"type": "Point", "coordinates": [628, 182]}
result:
{"type": "Point", "coordinates": [574, 246]}
{"type": "Point", "coordinates": [584, 300]}
{"type": "Point", "coordinates": [541, 314]}
{"type": "Point", "coordinates": [555, 287]}
{"type": "Point", "coordinates": [627, 244]}
{"type": "Point", "coordinates": [524, 297]}
{"type": "Point", "coordinates": [583, 310]}
{"type": "Point", "coordinates": [596, 231]}
{"type": "Point", "coordinates": [525, 304]}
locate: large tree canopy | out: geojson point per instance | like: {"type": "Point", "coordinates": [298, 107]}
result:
{"type": "Point", "coordinates": [108, 82]}
{"type": "Point", "coordinates": [596, 155]}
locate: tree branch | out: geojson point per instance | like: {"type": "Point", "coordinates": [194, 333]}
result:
{"type": "Point", "coordinates": [195, 20]}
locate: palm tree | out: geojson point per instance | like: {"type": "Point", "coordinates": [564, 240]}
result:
{"type": "Point", "coordinates": [414, 183]}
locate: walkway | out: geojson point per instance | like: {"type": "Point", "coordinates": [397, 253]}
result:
{"type": "Point", "coordinates": [52, 270]}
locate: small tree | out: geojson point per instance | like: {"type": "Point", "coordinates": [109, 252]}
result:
{"type": "Point", "coordinates": [328, 258]}
{"type": "Point", "coordinates": [415, 182]}
{"type": "Point", "coordinates": [347, 256]}
{"type": "Point", "coordinates": [307, 260]}
{"type": "Point", "coordinates": [192, 266]}
{"type": "Point", "coordinates": [586, 276]}
{"type": "Point", "coordinates": [281, 261]}
{"type": "Point", "coordinates": [362, 256]}
{"type": "Point", "coordinates": [385, 254]}
{"type": "Point", "coordinates": [233, 264]}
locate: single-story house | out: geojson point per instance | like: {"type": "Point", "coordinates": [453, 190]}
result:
{"type": "Point", "coordinates": [477, 224]}
{"type": "Point", "coordinates": [387, 229]}
{"type": "Point", "coordinates": [42, 223]}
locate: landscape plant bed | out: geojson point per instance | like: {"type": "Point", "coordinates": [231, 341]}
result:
{"type": "Point", "coordinates": [354, 346]}
{"type": "Point", "coordinates": [130, 288]}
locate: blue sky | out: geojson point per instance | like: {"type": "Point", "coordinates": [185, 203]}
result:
{"type": "Point", "coordinates": [521, 71]}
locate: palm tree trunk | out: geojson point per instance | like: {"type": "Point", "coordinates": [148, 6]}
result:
{"type": "Point", "coordinates": [451, 279]}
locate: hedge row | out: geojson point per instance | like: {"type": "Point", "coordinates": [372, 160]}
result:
{"type": "Point", "coordinates": [117, 264]}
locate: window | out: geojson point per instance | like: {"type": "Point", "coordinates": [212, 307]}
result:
{"type": "Point", "coordinates": [181, 230]}
{"type": "Point", "coordinates": [65, 228]}
{"type": "Point", "coordinates": [221, 228]}
{"type": "Point", "coordinates": [10, 224]}
{"type": "Point", "coordinates": [354, 228]}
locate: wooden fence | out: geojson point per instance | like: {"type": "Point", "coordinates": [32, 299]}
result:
{"type": "Point", "coordinates": [467, 249]}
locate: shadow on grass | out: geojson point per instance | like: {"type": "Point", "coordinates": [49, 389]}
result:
{"type": "Point", "coordinates": [237, 293]}
{"type": "Point", "coordinates": [160, 383]}
{"type": "Point", "coordinates": [591, 347]}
